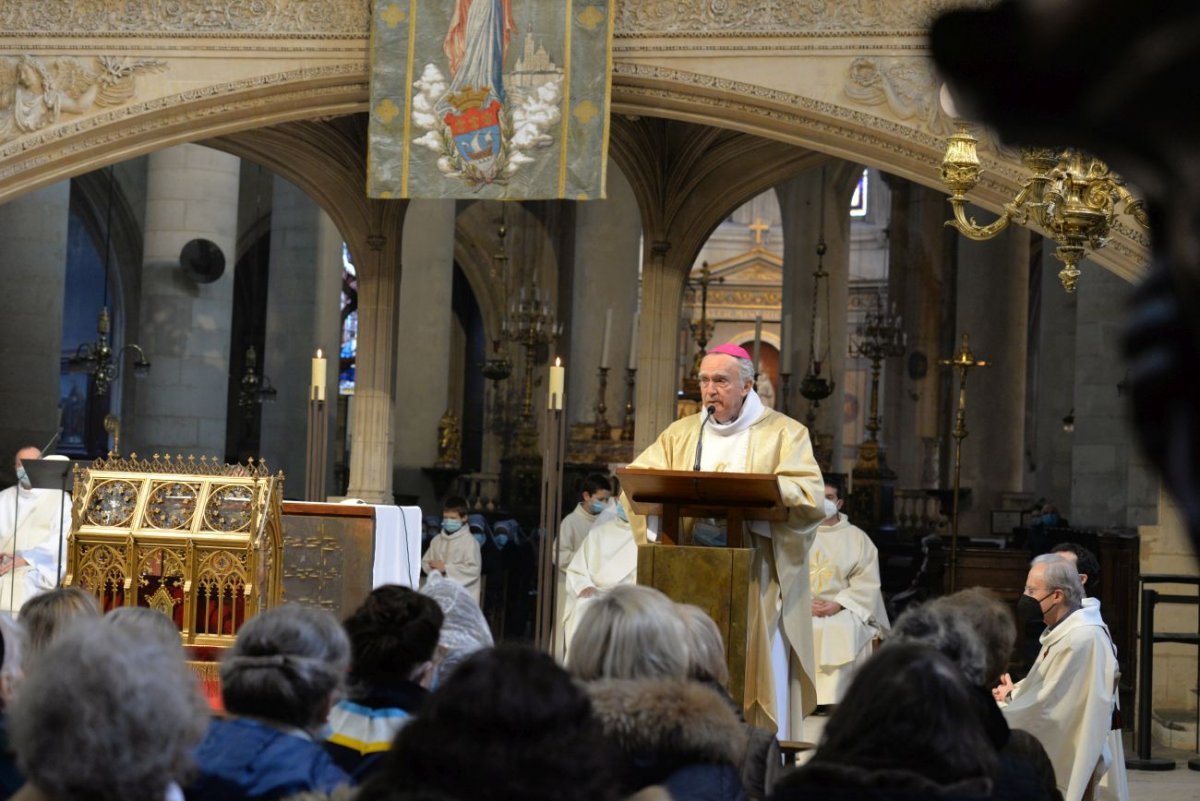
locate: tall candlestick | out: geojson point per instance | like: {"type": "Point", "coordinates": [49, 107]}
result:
{"type": "Point", "coordinates": [757, 339]}
{"type": "Point", "coordinates": [317, 391]}
{"type": "Point", "coordinates": [557, 380]}
{"type": "Point", "coordinates": [607, 337]}
{"type": "Point", "coordinates": [785, 339]}
{"type": "Point", "coordinates": [633, 343]}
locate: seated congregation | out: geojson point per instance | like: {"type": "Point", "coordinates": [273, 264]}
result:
{"type": "Point", "coordinates": [408, 699]}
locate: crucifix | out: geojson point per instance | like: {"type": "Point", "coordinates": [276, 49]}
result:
{"type": "Point", "coordinates": [759, 228]}
{"type": "Point", "coordinates": [962, 361]}
{"type": "Point", "coordinates": [702, 329]}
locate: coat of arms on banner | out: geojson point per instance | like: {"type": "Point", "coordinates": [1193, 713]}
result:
{"type": "Point", "coordinates": [494, 117]}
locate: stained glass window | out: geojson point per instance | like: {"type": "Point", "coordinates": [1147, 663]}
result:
{"type": "Point", "coordinates": [348, 352]}
{"type": "Point", "coordinates": [858, 201]}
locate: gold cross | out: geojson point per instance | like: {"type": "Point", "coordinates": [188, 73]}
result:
{"type": "Point", "coordinates": [758, 227]}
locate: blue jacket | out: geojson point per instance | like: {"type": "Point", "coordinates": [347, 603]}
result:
{"type": "Point", "coordinates": [245, 760]}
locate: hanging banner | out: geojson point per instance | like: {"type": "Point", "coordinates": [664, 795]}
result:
{"type": "Point", "coordinates": [501, 99]}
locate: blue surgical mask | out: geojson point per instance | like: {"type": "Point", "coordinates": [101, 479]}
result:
{"type": "Point", "coordinates": [480, 537]}
{"type": "Point", "coordinates": [621, 513]}
{"type": "Point", "coordinates": [596, 507]}
{"type": "Point", "coordinates": [501, 540]}
{"type": "Point", "coordinates": [23, 478]}
{"type": "Point", "coordinates": [1049, 520]}
{"type": "Point", "coordinates": [450, 525]}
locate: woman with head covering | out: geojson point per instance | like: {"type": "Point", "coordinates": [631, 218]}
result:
{"type": "Point", "coordinates": [464, 628]}
{"type": "Point", "coordinates": [282, 676]}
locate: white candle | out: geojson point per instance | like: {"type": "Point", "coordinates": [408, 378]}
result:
{"type": "Point", "coordinates": [757, 339]}
{"type": "Point", "coordinates": [633, 343]}
{"type": "Point", "coordinates": [557, 380]}
{"type": "Point", "coordinates": [817, 338]}
{"type": "Point", "coordinates": [785, 339]}
{"type": "Point", "coordinates": [607, 337]}
{"type": "Point", "coordinates": [317, 391]}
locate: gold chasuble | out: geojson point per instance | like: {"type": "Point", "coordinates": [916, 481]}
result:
{"type": "Point", "coordinates": [779, 573]}
{"type": "Point", "coordinates": [490, 99]}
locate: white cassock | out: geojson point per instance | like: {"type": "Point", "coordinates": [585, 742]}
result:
{"type": "Point", "coordinates": [463, 558]}
{"type": "Point", "coordinates": [1067, 703]}
{"type": "Point", "coordinates": [571, 533]}
{"type": "Point", "coordinates": [40, 516]}
{"type": "Point", "coordinates": [844, 567]}
{"type": "Point", "coordinates": [607, 558]}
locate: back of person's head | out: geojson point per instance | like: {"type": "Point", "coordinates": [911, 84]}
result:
{"type": "Point", "coordinates": [44, 616]}
{"type": "Point", "coordinates": [12, 656]}
{"type": "Point", "coordinates": [1085, 562]}
{"type": "Point", "coordinates": [458, 505]}
{"type": "Point", "coordinates": [993, 623]}
{"type": "Point", "coordinates": [941, 625]}
{"type": "Point", "coordinates": [908, 708]}
{"type": "Point", "coordinates": [285, 666]}
{"type": "Point", "coordinates": [148, 623]}
{"type": "Point", "coordinates": [106, 715]}
{"type": "Point", "coordinates": [392, 634]}
{"type": "Point", "coordinates": [632, 632]}
{"type": "Point", "coordinates": [706, 647]}
{"type": "Point", "coordinates": [595, 482]}
{"type": "Point", "coordinates": [508, 723]}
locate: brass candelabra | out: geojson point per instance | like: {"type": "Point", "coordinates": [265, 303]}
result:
{"type": "Point", "coordinates": [880, 336]}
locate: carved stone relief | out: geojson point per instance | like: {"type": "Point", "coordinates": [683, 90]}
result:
{"type": "Point", "coordinates": [771, 17]}
{"type": "Point", "coordinates": [189, 17]}
{"type": "Point", "coordinates": [36, 93]}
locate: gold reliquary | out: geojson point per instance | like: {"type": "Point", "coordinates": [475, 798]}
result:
{"type": "Point", "coordinates": [197, 540]}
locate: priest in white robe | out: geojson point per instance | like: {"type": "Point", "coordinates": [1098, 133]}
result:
{"type": "Point", "coordinates": [34, 524]}
{"type": "Point", "coordinates": [594, 498]}
{"type": "Point", "coordinates": [607, 559]}
{"type": "Point", "coordinates": [743, 436]}
{"type": "Point", "coordinates": [848, 610]}
{"type": "Point", "coordinates": [1067, 699]}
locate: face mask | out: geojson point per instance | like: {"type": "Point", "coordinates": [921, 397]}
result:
{"type": "Point", "coordinates": [23, 478]}
{"type": "Point", "coordinates": [596, 507]}
{"type": "Point", "coordinates": [621, 513]}
{"type": "Point", "coordinates": [1049, 520]}
{"type": "Point", "coordinates": [501, 540]}
{"type": "Point", "coordinates": [480, 537]}
{"type": "Point", "coordinates": [450, 525]}
{"type": "Point", "coordinates": [830, 509]}
{"type": "Point", "coordinates": [1030, 609]}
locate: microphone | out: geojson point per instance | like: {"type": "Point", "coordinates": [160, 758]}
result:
{"type": "Point", "coordinates": [700, 441]}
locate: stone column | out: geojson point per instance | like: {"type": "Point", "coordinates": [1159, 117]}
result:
{"type": "Point", "coordinates": [184, 327]}
{"type": "Point", "coordinates": [918, 283]}
{"type": "Point", "coordinates": [658, 342]}
{"type": "Point", "coordinates": [298, 322]}
{"type": "Point", "coordinates": [993, 301]}
{"type": "Point", "coordinates": [33, 260]}
{"type": "Point", "coordinates": [327, 310]}
{"type": "Point", "coordinates": [1053, 386]}
{"type": "Point", "coordinates": [800, 204]}
{"type": "Point", "coordinates": [1110, 483]}
{"type": "Point", "coordinates": [424, 326]}
{"type": "Point", "coordinates": [373, 406]}
{"type": "Point", "coordinates": [603, 278]}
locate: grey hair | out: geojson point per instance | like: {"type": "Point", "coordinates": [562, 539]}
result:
{"type": "Point", "coordinates": [11, 670]}
{"type": "Point", "coordinates": [632, 632]}
{"type": "Point", "coordinates": [286, 666]}
{"type": "Point", "coordinates": [706, 647]}
{"type": "Point", "coordinates": [1062, 575]}
{"type": "Point", "coordinates": [745, 370]}
{"type": "Point", "coordinates": [942, 627]}
{"type": "Point", "coordinates": [106, 715]}
{"type": "Point", "coordinates": [146, 623]}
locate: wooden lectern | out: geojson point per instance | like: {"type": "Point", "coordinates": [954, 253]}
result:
{"type": "Point", "coordinates": [715, 579]}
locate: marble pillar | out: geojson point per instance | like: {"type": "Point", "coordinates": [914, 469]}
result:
{"type": "Point", "coordinates": [604, 276]}
{"type": "Point", "coordinates": [304, 288]}
{"type": "Point", "coordinates": [424, 333]}
{"type": "Point", "coordinates": [993, 305]}
{"type": "Point", "coordinates": [1111, 485]}
{"type": "Point", "coordinates": [800, 206]}
{"type": "Point", "coordinates": [191, 193]}
{"type": "Point", "coordinates": [33, 260]}
{"type": "Point", "coordinates": [658, 342]}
